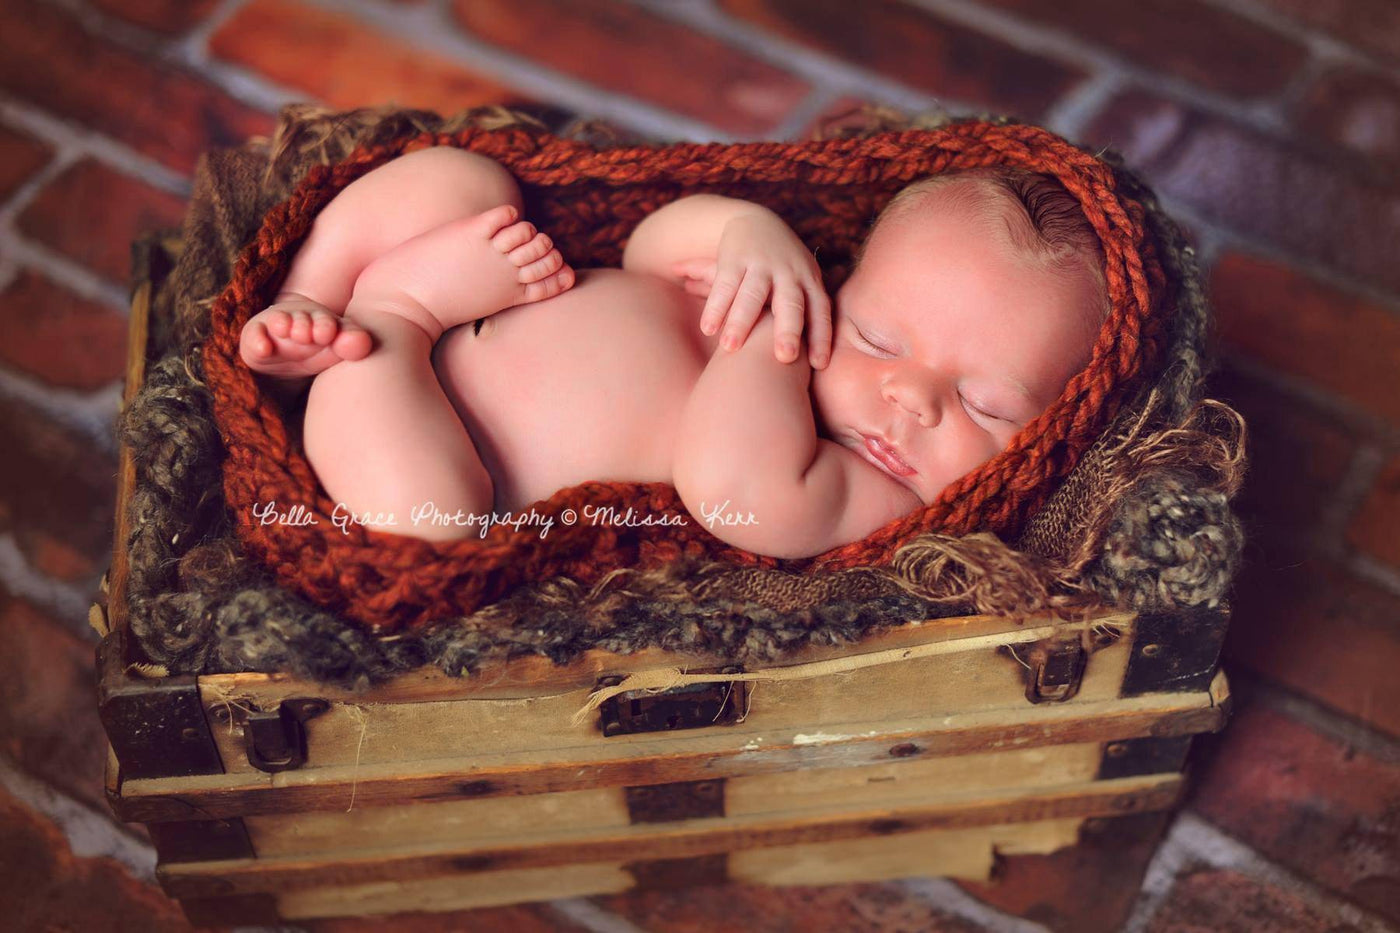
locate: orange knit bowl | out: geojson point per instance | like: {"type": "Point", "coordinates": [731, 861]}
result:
{"type": "Point", "coordinates": [589, 200]}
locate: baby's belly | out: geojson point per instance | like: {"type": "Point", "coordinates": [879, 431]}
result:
{"type": "Point", "coordinates": [588, 385]}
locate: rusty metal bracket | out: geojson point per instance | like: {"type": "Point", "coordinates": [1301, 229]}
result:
{"type": "Point", "coordinates": [1053, 667]}
{"type": "Point", "coordinates": [275, 739]}
{"type": "Point", "coordinates": [680, 800]}
{"type": "Point", "coordinates": [693, 706]}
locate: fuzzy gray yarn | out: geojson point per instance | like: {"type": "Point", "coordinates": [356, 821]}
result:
{"type": "Point", "coordinates": [1171, 544]}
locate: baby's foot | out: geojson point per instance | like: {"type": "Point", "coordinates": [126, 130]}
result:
{"type": "Point", "coordinates": [298, 337]}
{"type": "Point", "coordinates": [466, 269]}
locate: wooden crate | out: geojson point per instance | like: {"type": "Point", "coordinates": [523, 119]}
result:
{"type": "Point", "coordinates": [930, 749]}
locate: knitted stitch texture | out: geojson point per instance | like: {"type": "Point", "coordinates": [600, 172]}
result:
{"type": "Point", "coordinates": [589, 201]}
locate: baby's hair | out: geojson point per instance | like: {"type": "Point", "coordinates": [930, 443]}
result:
{"type": "Point", "coordinates": [1049, 226]}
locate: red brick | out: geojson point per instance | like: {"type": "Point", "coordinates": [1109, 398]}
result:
{"type": "Point", "coordinates": [1328, 811]}
{"type": "Point", "coordinates": [1257, 185]}
{"type": "Point", "coordinates": [346, 63]}
{"type": "Point", "coordinates": [631, 51]}
{"type": "Point", "coordinates": [1187, 38]}
{"type": "Point", "coordinates": [1375, 528]}
{"type": "Point", "coordinates": [916, 48]}
{"type": "Point", "coordinates": [1321, 632]}
{"type": "Point", "coordinates": [55, 485]}
{"type": "Point", "coordinates": [172, 17]}
{"type": "Point", "coordinates": [1210, 900]}
{"type": "Point", "coordinates": [1283, 508]}
{"type": "Point", "coordinates": [1339, 341]}
{"type": "Point", "coordinates": [1087, 888]}
{"type": "Point", "coordinates": [48, 704]}
{"type": "Point", "coordinates": [847, 908]}
{"type": "Point", "coordinates": [1359, 111]}
{"type": "Point", "coordinates": [45, 887]}
{"type": "Point", "coordinates": [20, 158]}
{"type": "Point", "coordinates": [526, 918]}
{"type": "Point", "coordinates": [49, 332]}
{"type": "Point", "coordinates": [47, 58]}
{"type": "Point", "coordinates": [92, 213]}
{"type": "Point", "coordinates": [1372, 25]}
{"type": "Point", "coordinates": [56, 558]}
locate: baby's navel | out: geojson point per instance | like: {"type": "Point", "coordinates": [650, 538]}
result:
{"type": "Point", "coordinates": [484, 327]}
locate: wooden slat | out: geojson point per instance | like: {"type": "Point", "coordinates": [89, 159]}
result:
{"type": "Point", "coordinates": [946, 853]}
{"type": "Point", "coordinates": [463, 823]}
{"type": "Point", "coordinates": [683, 840]}
{"type": "Point", "coordinates": [668, 758]}
{"type": "Point", "coordinates": [957, 853]}
{"type": "Point", "coordinates": [943, 677]}
{"type": "Point", "coordinates": [137, 336]}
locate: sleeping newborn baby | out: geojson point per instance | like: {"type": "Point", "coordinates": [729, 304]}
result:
{"type": "Point", "coordinates": [975, 297]}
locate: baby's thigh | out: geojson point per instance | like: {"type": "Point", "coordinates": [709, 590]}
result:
{"type": "Point", "coordinates": [399, 200]}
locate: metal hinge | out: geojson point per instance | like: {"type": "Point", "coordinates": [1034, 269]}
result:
{"type": "Point", "coordinates": [693, 706]}
{"type": "Point", "coordinates": [275, 739]}
{"type": "Point", "coordinates": [1053, 667]}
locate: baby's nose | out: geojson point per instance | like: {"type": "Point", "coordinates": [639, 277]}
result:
{"type": "Point", "coordinates": [918, 401]}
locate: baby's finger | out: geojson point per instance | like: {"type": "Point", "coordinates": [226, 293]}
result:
{"type": "Point", "coordinates": [721, 296]}
{"type": "Point", "coordinates": [748, 304]}
{"type": "Point", "coordinates": [818, 325]}
{"type": "Point", "coordinates": [788, 318]}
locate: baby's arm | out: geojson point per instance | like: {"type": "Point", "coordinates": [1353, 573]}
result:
{"type": "Point", "coordinates": [747, 444]}
{"type": "Point", "coordinates": [740, 256]}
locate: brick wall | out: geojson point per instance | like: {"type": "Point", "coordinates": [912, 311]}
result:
{"type": "Point", "coordinates": [1271, 127]}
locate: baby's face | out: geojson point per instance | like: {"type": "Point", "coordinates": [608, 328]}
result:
{"type": "Point", "coordinates": [948, 341]}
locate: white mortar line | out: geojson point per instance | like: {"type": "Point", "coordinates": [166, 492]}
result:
{"type": "Point", "coordinates": [1070, 49]}
{"type": "Point", "coordinates": [1192, 841]}
{"type": "Point", "coordinates": [432, 29]}
{"type": "Point", "coordinates": [827, 73]}
{"type": "Point", "coordinates": [592, 917]}
{"type": "Point", "coordinates": [1350, 733]}
{"type": "Point", "coordinates": [951, 899]}
{"type": "Point", "coordinates": [1318, 42]}
{"type": "Point", "coordinates": [92, 414]}
{"type": "Point", "coordinates": [90, 834]}
{"type": "Point", "coordinates": [64, 600]}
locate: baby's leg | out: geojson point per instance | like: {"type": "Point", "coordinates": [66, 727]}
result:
{"type": "Point", "coordinates": [380, 432]}
{"type": "Point", "coordinates": [384, 440]}
{"type": "Point", "coordinates": [302, 332]}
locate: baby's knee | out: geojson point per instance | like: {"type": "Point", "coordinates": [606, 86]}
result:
{"type": "Point", "coordinates": [477, 181]}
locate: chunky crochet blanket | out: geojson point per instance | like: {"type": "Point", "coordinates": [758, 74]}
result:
{"type": "Point", "coordinates": [1090, 510]}
{"type": "Point", "coordinates": [589, 200]}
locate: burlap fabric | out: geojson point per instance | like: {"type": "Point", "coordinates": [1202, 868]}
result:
{"type": "Point", "coordinates": [1142, 522]}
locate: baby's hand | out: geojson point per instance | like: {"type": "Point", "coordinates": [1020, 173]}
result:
{"type": "Point", "coordinates": [760, 260]}
{"type": "Point", "coordinates": [298, 337]}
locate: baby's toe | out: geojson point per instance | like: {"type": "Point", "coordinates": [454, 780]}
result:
{"type": "Point", "coordinates": [497, 219]}
{"type": "Point", "coordinates": [555, 284]}
{"type": "Point", "coordinates": [279, 322]}
{"type": "Point", "coordinates": [255, 342]}
{"type": "Point", "coordinates": [301, 327]}
{"type": "Point", "coordinates": [540, 268]}
{"type": "Point", "coordinates": [324, 327]}
{"type": "Point", "coordinates": [536, 248]}
{"type": "Point", "coordinates": [352, 343]}
{"type": "Point", "coordinates": [514, 236]}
